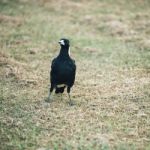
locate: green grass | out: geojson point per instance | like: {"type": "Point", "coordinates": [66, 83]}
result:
{"type": "Point", "coordinates": [110, 43]}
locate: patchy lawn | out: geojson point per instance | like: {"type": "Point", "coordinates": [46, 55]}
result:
{"type": "Point", "coordinates": [110, 42]}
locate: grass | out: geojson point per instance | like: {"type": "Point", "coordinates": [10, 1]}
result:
{"type": "Point", "coordinates": [110, 43]}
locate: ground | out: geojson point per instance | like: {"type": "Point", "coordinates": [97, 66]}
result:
{"type": "Point", "coordinates": [110, 41]}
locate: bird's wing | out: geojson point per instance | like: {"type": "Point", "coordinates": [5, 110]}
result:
{"type": "Point", "coordinates": [73, 73]}
{"type": "Point", "coordinates": [53, 71]}
{"type": "Point", "coordinates": [53, 63]}
{"type": "Point", "coordinates": [74, 64]}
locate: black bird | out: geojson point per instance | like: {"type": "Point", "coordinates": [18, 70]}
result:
{"type": "Point", "coordinates": [63, 70]}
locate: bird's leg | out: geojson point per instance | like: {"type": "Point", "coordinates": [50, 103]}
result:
{"type": "Point", "coordinates": [61, 97]}
{"type": "Point", "coordinates": [50, 94]}
{"type": "Point", "coordinates": [70, 101]}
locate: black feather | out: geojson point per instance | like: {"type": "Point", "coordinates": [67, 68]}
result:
{"type": "Point", "coordinates": [63, 70]}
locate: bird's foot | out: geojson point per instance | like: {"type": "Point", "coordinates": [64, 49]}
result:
{"type": "Point", "coordinates": [48, 99]}
{"type": "Point", "coordinates": [71, 103]}
{"type": "Point", "coordinates": [59, 96]}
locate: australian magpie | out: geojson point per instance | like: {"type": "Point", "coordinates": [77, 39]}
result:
{"type": "Point", "coordinates": [63, 70]}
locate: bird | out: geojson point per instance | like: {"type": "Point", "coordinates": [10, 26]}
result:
{"type": "Point", "coordinates": [63, 71]}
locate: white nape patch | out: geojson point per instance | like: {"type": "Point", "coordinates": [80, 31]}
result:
{"type": "Point", "coordinates": [61, 85]}
{"type": "Point", "coordinates": [62, 42]}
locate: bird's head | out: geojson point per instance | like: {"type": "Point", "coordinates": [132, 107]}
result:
{"type": "Point", "coordinates": [64, 42]}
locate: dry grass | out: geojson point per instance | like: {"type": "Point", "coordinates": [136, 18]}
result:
{"type": "Point", "coordinates": [110, 42]}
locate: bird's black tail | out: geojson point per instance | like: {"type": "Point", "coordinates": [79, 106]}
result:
{"type": "Point", "coordinates": [59, 90]}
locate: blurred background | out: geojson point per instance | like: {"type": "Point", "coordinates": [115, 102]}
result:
{"type": "Point", "coordinates": [110, 41]}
